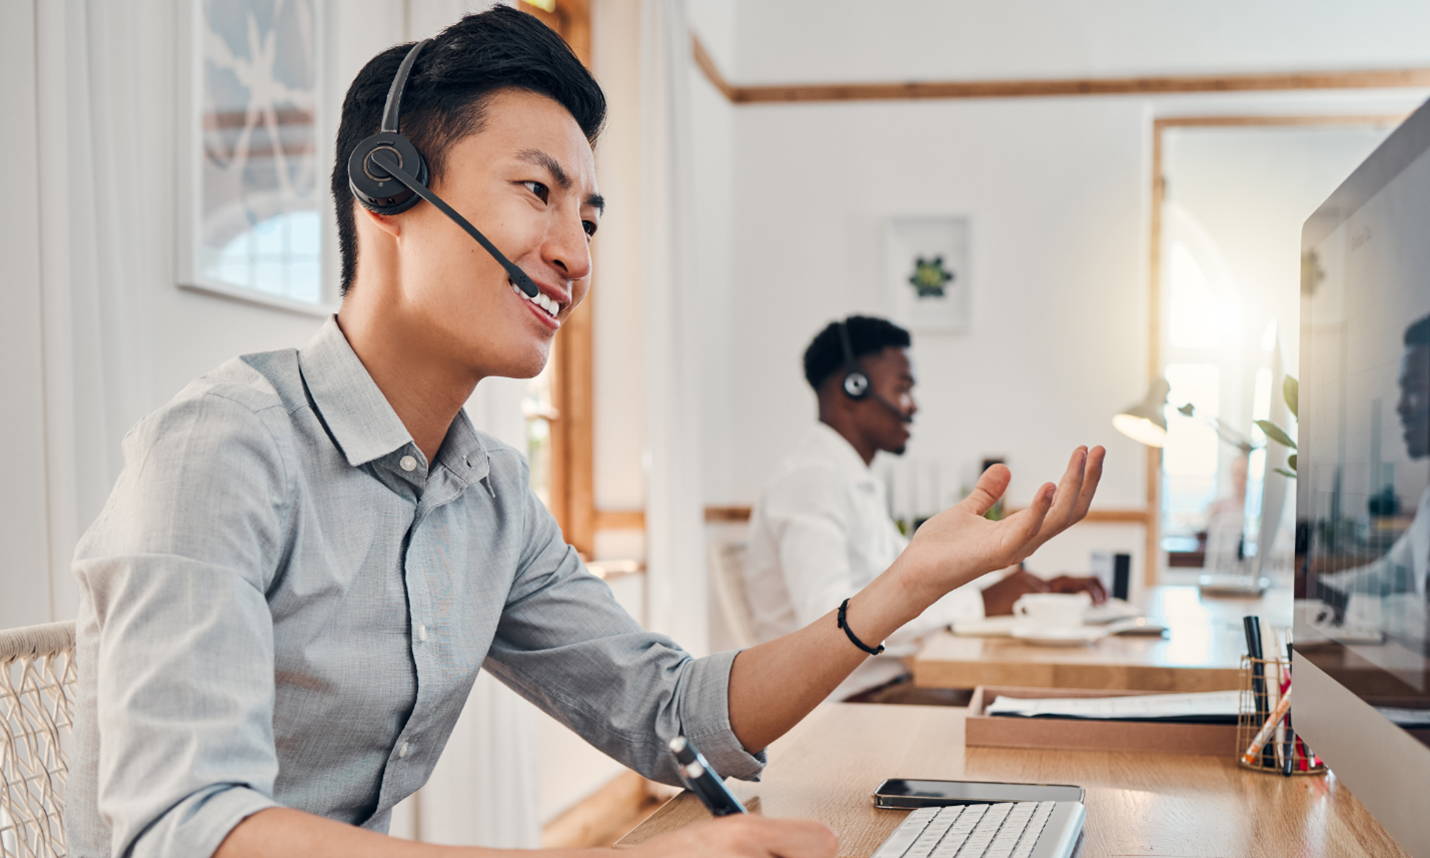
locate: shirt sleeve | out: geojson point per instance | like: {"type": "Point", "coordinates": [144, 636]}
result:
{"type": "Point", "coordinates": [565, 644]}
{"type": "Point", "coordinates": [175, 633]}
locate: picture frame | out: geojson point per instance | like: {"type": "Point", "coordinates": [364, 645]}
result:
{"type": "Point", "coordinates": [927, 283]}
{"type": "Point", "coordinates": [253, 217]}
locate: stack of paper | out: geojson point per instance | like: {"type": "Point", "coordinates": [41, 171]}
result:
{"type": "Point", "coordinates": [1205, 707]}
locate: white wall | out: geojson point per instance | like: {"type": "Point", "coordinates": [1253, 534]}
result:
{"type": "Point", "coordinates": [855, 40]}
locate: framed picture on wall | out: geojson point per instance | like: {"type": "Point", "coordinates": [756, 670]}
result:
{"type": "Point", "coordinates": [252, 194]}
{"type": "Point", "coordinates": [926, 273]}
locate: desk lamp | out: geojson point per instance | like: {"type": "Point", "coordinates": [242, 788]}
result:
{"type": "Point", "coordinates": [1145, 421]}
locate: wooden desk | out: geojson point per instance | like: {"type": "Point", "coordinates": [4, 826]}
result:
{"type": "Point", "coordinates": [1137, 804]}
{"type": "Point", "coordinates": [1202, 652]}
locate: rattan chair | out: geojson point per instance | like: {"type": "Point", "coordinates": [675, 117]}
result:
{"type": "Point", "coordinates": [727, 573]}
{"type": "Point", "coordinates": [37, 687]}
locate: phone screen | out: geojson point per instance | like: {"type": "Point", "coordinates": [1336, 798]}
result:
{"type": "Point", "coordinates": [908, 793]}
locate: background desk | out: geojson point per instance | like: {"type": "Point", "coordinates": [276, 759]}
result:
{"type": "Point", "coordinates": [1137, 804]}
{"type": "Point", "coordinates": [1202, 653]}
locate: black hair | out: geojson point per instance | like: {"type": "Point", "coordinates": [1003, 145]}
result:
{"type": "Point", "coordinates": [447, 92]}
{"type": "Point", "coordinates": [867, 335]}
{"type": "Point", "coordinates": [1418, 334]}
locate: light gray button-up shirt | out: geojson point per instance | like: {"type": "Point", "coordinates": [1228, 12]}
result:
{"type": "Point", "coordinates": [285, 603]}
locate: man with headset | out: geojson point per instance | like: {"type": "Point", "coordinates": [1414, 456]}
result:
{"type": "Point", "coordinates": [310, 553]}
{"type": "Point", "coordinates": [820, 530]}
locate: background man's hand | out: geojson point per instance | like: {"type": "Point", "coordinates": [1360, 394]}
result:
{"type": "Point", "coordinates": [1079, 584]}
{"type": "Point", "coordinates": [744, 836]}
{"type": "Point", "coordinates": [999, 598]}
{"type": "Point", "coordinates": [959, 544]}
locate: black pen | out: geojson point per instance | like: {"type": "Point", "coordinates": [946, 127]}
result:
{"type": "Point", "coordinates": [700, 779]}
{"type": "Point", "coordinates": [1288, 758]}
{"type": "Point", "coordinates": [1252, 625]}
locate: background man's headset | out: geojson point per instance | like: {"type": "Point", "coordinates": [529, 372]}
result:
{"type": "Point", "coordinates": [856, 384]}
{"type": "Point", "coordinates": [388, 175]}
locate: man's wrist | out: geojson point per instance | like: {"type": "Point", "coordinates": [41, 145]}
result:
{"type": "Point", "coordinates": [911, 586]}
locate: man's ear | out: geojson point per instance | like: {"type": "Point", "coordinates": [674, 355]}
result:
{"type": "Point", "coordinates": [387, 223]}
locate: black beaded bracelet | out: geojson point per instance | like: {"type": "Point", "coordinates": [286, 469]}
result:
{"type": "Point", "coordinates": [844, 624]}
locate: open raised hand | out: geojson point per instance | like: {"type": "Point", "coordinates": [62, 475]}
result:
{"type": "Point", "coordinates": [959, 544]}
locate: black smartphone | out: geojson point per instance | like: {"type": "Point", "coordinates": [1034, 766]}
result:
{"type": "Point", "coordinates": [901, 794]}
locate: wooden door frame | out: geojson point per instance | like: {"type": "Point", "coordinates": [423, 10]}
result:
{"type": "Point", "coordinates": [573, 484]}
{"type": "Point", "coordinates": [1154, 270]}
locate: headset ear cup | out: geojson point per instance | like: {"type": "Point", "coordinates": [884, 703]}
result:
{"type": "Point", "coordinates": [856, 385]}
{"type": "Point", "coordinates": [374, 188]}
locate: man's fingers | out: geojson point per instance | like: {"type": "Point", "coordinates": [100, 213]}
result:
{"type": "Point", "coordinates": [989, 489]}
{"type": "Point", "coordinates": [1022, 527]}
{"type": "Point", "coordinates": [1070, 489]}
{"type": "Point", "coordinates": [1092, 475]}
{"type": "Point", "coordinates": [784, 838]}
{"type": "Point", "coordinates": [800, 838]}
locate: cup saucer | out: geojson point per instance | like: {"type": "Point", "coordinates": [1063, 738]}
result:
{"type": "Point", "coordinates": [1077, 636]}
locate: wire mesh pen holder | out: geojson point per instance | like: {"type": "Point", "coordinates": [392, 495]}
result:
{"type": "Point", "coordinates": [1259, 701]}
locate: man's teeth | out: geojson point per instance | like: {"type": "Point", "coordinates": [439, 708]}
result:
{"type": "Point", "coordinates": [541, 300]}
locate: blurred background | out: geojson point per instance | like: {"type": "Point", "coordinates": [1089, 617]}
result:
{"type": "Point", "coordinates": [1124, 182]}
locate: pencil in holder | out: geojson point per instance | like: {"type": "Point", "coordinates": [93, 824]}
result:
{"type": "Point", "coordinates": [1266, 740]}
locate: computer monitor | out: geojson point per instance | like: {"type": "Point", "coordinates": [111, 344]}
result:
{"type": "Point", "coordinates": [1362, 675]}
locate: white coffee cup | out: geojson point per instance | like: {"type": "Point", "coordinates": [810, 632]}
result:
{"type": "Point", "coordinates": [1051, 612]}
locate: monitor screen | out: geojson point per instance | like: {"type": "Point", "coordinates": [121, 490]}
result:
{"type": "Point", "coordinates": [1363, 475]}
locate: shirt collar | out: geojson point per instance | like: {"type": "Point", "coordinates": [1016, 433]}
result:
{"type": "Point", "coordinates": [359, 417]}
{"type": "Point", "coordinates": [829, 444]}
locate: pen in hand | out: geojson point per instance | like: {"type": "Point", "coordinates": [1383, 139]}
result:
{"type": "Point", "coordinates": [702, 780]}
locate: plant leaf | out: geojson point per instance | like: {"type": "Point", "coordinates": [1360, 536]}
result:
{"type": "Point", "coordinates": [1275, 433]}
{"type": "Point", "coordinates": [1291, 389]}
{"type": "Point", "coordinates": [1285, 473]}
{"type": "Point", "coordinates": [1291, 460]}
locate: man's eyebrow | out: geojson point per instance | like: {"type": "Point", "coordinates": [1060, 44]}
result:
{"type": "Point", "coordinates": [552, 166]}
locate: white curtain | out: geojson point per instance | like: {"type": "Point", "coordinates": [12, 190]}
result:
{"type": "Point", "coordinates": [104, 147]}
{"type": "Point", "coordinates": [674, 509]}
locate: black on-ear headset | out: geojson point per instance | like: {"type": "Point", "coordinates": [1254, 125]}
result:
{"type": "Point", "coordinates": [856, 384]}
{"type": "Point", "coordinates": [388, 175]}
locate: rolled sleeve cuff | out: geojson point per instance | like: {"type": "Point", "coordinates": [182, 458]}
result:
{"type": "Point", "coordinates": [705, 717]}
{"type": "Point", "coordinates": [199, 823]}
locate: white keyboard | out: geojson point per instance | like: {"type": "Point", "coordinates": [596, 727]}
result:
{"type": "Point", "coordinates": [1024, 829]}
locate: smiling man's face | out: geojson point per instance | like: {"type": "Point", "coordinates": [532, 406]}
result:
{"type": "Point", "coordinates": [527, 181]}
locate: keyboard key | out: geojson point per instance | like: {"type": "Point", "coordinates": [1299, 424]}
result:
{"type": "Point", "coordinates": [903, 837]}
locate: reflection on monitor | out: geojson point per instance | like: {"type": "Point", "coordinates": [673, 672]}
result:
{"type": "Point", "coordinates": [1363, 488]}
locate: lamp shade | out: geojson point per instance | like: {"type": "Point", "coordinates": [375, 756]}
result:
{"type": "Point", "coordinates": [1145, 421]}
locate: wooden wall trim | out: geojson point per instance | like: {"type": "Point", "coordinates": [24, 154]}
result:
{"type": "Point", "coordinates": [711, 71]}
{"type": "Point", "coordinates": [727, 514]}
{"type": "Point", "coordinates": [619, 519]}
{"type": "Point", "coordinates": [1055, 87]}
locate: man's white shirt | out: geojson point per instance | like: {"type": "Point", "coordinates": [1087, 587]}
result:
{"type": "Point", "coordinates": [1390, 593]}
{"type": "Point", "coordinates": [819, 533]}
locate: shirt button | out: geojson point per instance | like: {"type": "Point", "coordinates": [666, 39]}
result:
{"type": "Point", "coordinates": [408, 463]}
{"type": "Point", "coordinates": [421, 632]}
{"type": "Point", "coordinates": [402, 751]}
